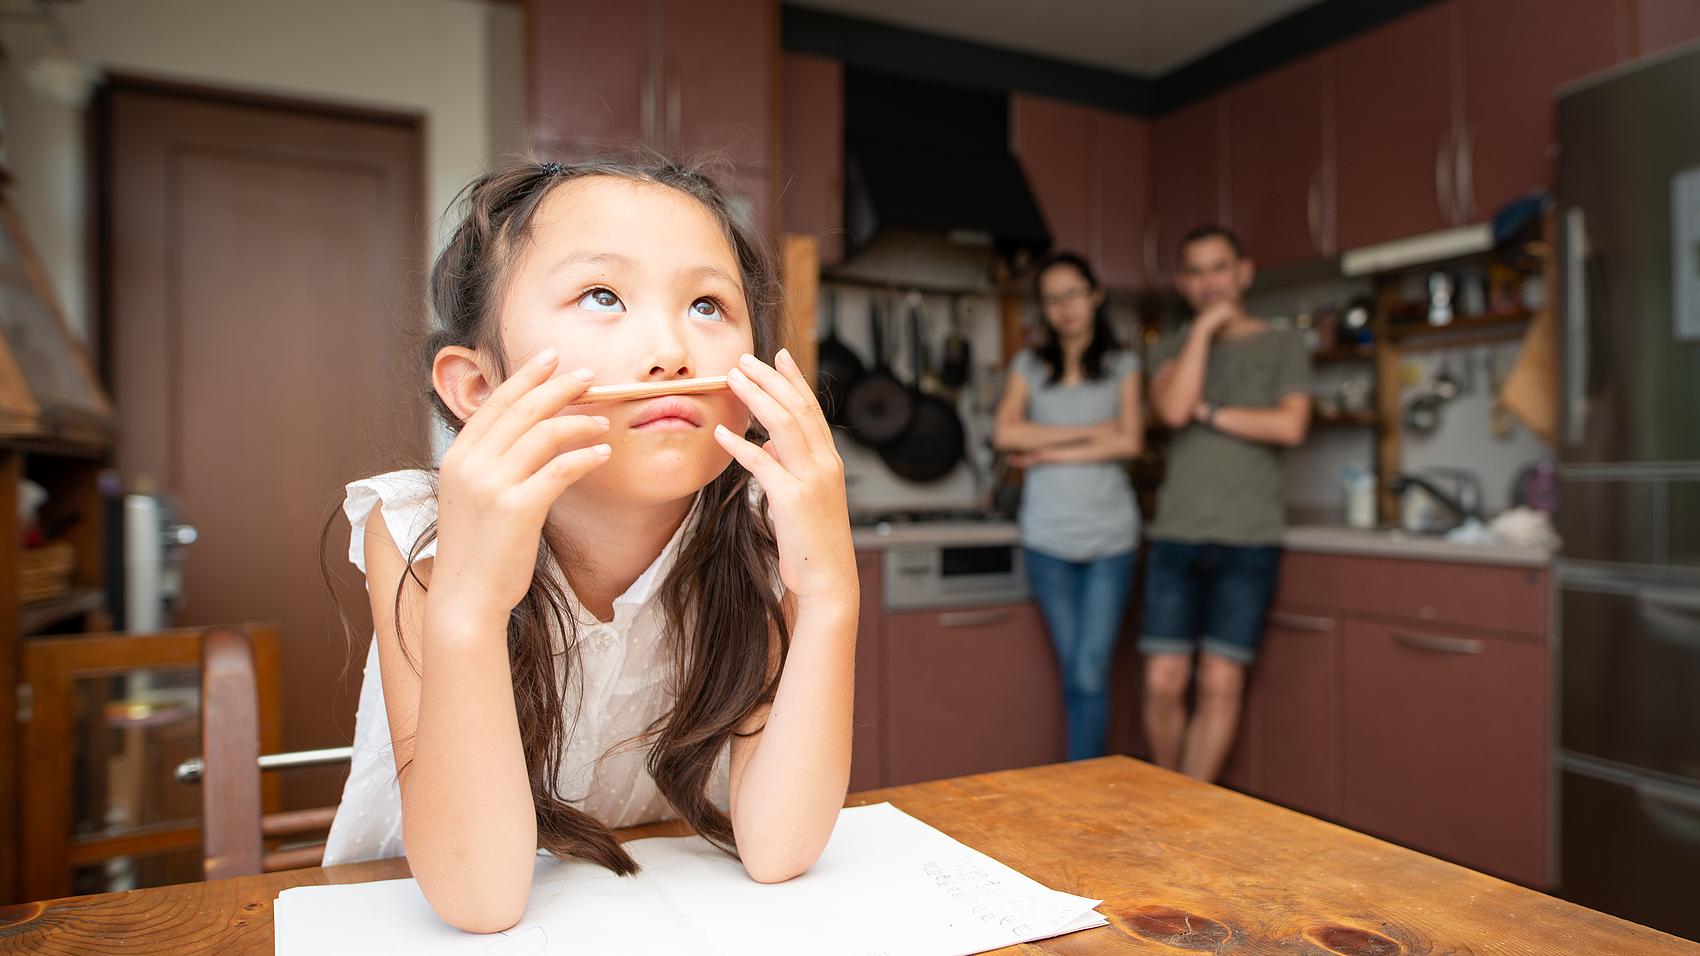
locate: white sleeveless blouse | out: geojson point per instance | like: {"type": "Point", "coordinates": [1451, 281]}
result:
{"type": "Point", "coordinates": [620, 689]}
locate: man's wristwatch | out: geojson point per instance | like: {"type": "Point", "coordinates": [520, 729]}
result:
{"type": "Point", "coordinates": [1206, 413]}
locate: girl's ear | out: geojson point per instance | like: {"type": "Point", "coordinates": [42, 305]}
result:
{"type": "Point", "coordinates": [460, 380]}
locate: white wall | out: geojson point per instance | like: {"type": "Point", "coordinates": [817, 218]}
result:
{"type": "Point", "coordinates": [454, 62]}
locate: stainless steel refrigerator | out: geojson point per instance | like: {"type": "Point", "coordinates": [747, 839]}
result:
{"type": "Point", "coordinates": [1629, 506]}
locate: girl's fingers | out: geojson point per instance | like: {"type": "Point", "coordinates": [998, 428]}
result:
{"type": "Point", "coordinates": [560, 472]}
{"type": "Point", "coordinates": [788, 367]}
{"type": "Point", "coordinates": [791, 440]}
{"type": "Point", "coordinates": [524, 378]}
{"type": "Point", "coordinates": [768, 472]}
{"type": "Point", "coordinates": [547, 439]}
{"type": "Point", "coordinates": [543, 400]}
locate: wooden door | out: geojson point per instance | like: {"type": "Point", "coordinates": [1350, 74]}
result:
{"type": "Point", "coordinates": [1444, 744]}
{"type": "Point", "coordinates": [812, 150]}
{"type": "Point", "coordinates": [1398, 110]}
{"type": "Point", "coordinates": [1121, 177]}
{"type": "Point", "coordinates": [1186, 158]}
{"type": "Point", "coordinates": [592, 74]}
{"type": "Point", "coordinates": [264, 280]}
{"type": "Point", "coordinates": [970, 691]}
{"type": "Point", "coordinates": [1291, 710]}
{"type": "Point", "coordinates": [1281, 170]}
{"type": "Point", "coordinates": [1054, 141]}
{"type": "Point", "coordinates": [1512, 69]}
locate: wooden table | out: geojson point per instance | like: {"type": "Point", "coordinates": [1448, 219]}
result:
{"type": "Point", "coordinates": [1181, 866]}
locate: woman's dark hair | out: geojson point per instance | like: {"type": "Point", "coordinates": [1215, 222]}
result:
{"type": "Point", "coordinates": [723, 622]}
{"type": "Point", "coordinates": [1103, 339]}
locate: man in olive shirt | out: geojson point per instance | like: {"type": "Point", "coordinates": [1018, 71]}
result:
{"type": "Point", "coordinates": [1235, 392]}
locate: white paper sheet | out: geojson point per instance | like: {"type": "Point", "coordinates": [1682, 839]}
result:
{"type": "Point", "coordinates": [887, 885]}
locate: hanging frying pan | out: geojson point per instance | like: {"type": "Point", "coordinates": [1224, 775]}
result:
{"type": "Point", "coordinates": [876, 406]}
{"type": "Point", "coordinates": [933, 443]}
{"type": "Point", "coordinates": [836, 367]}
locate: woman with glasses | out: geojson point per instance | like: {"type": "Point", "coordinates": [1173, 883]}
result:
{"type": "Point", "coordinates": [1070, 416]}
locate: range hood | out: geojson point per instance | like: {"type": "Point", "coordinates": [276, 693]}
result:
{"type": "Point", "coordinates": [928, 170]}
{"type": "Point", "coordinates": [967, 193]}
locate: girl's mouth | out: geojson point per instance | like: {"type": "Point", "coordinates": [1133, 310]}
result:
{"type": "Point", "coordinates": [671, 411]}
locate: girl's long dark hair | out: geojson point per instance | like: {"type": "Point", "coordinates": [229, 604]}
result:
{"type": "Point", "coordinates": [1103, 338]}
{"type": "Point", "coordinates": [722, 617]}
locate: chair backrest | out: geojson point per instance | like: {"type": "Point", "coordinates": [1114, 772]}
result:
{"type": "Point", "coordinates": [230, 752]}
{"type": "Point", "coordinates": [234, 827]}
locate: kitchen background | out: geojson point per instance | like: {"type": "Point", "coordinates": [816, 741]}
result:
{"type": "Point", "coordinates": [1395, 167]}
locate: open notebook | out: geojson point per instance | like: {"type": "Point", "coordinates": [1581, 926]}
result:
{"type": "Point", "coordinates": [887, 885]}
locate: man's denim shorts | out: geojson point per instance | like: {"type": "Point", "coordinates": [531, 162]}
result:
{"type": "Point", "coordinates": [1210, 596]}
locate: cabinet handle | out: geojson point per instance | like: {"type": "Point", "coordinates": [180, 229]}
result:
{"type": "Point", "coordinates": [1148, 250]}
{"type": "Point", "coordinates": [646, 105]}
{"type": "Point", "coordinates": [1313, 211]}
{"type": "Point", "coordinates": [972, 618]}
{"type": "Point", "coordinates": [1445, 645]}
{"type": "Point", "coordinates": [672, 80]}
{"type": "Point", "coordinates": [1465, 157]}
{"type": "Point", "coordinates": [1443, 177]}
{"type": "Point", "coordinates": [1301, 622]}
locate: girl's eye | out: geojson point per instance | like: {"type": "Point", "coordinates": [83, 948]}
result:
{"type": "Point", "coordinates": [707, 308]}
{"type": "Point", "coordinates": [600, 300]}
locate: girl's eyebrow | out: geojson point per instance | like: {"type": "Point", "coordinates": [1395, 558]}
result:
{"type": "Point", "coordinates": [591, 258]}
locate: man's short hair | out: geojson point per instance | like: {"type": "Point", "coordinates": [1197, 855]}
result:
{"type": "Point", "coordinates": [1211, 230]}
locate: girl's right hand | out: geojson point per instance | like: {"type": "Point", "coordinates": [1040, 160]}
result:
{"type": "Point", "coordinates": [512, 459]}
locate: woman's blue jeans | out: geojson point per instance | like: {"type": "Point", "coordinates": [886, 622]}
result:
{"type": "Point", "coordinates": [1083, 603]}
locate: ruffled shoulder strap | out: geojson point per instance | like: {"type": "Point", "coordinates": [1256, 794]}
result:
{"type": "Point", "coordinates": [409, 503]}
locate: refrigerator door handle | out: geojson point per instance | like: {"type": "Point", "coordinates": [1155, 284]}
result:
{"type": "Point", "coordinates": [1575, 326]}
{"type": "Point", "coordinates": [1674, 614]}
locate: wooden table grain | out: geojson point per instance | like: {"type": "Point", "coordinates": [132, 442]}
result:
{"type": "Point", "coordinates": [1181, 867]}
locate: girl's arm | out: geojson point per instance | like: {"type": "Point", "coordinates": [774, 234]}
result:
{"type": "Point", "coordinates": [1013, 432]}
{"type": "Point", "coordinates": [1125, 440]}
{"type": "Point", "coordinates": [467, 812]}
{"type": "Point", "coordinates": [790, 774]}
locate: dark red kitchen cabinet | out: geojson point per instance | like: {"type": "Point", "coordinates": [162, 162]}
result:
{"type": "Point", "coordinates": [1397, 109]}
{"type": "Point", "coordinates": [1661, 24]}
{"type": "Point", "coordinates": [812, 151]}
{"type": "Point", "coordinates": [1055, 143]}
{"type": "Point", "coordinates": [1444, 741]}
{"type": "Point", "coordinates": [1121, 177]}
{"type": "Point", "coordinates": [1186, 181]}
{"type": "Point", "coordinates": [590, 74]}
{"type": "Point", "coordinates": [1280, 187]}
{"type": "Point", "coordinates": [970, 691]}
{"type": "Point", "coordinates": [1517, 53]}
{"type": "Point", "coordinates": [867, 740]}
{"type": "Point", "coordinates": [718, 70]}
{"type": "Point", "coordinates": [1291, 709]}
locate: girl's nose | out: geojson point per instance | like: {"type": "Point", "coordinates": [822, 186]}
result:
{"type": "Point", "coordinates": [669, 357]}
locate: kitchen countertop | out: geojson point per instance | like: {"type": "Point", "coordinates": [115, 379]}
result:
{"type": "Point", "coordinates": [1334, 539]}
{"type": "Point", "coordinates": [935, 533]}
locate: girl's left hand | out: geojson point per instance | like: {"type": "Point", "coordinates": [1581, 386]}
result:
{"type": "Point", "coordinates": [802, 475]}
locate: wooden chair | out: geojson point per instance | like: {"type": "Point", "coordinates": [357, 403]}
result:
{"type": "Point", "coordinates": [235, 831]}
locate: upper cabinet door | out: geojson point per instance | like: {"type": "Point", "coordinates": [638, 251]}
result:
{"type": "Point", "coordinates": [1186, 178]}
{"type": "Point", "coordinates": [1122, 179]}
{"type": "Point", "coordinates": [718, 67]}
{"type": "Point", "coordinates": [812, 151]}
{"type": "Point", "coordinates": [1394, 89]}
{"type": "Point", "coordinates": [1054, 142]}
{"type": "Point", "coordinates": [1280, 171]}
{"type": "Point", "coordinates": [590, 76]}
{"type": "Point", "coordinates": [1517, 54]}
{"type": "Point", "coordinates": [1661, 24]}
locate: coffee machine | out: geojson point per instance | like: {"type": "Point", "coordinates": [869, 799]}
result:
{"type": "Point", "coordinates": [146, 545]}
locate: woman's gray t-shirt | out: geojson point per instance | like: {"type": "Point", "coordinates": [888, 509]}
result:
{"type": "Point", "coordinates": [1078, 511]}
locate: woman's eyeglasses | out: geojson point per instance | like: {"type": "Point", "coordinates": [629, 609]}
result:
{"type": "Point", "coordinates": [1064, 298]}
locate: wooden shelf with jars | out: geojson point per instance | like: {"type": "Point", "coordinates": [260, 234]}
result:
{"type": "Point", "coordinates": [56, 432]}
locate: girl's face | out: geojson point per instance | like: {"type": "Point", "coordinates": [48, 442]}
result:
{"type": "Point", "coordinates": [1068, 300]}
{"type": "Point", "coordinates": [637, 282]}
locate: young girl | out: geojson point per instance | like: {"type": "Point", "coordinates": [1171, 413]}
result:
{"type": "Point", "coordinates": [588, 618]}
